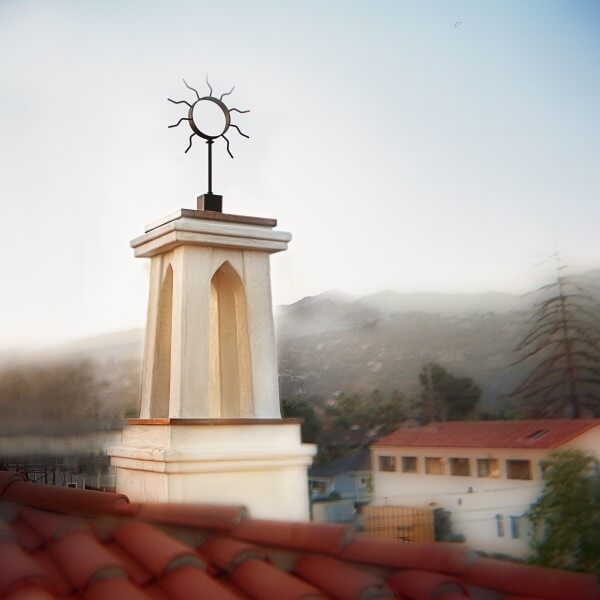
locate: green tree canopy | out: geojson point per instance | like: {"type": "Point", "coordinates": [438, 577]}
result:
{"type": "Point", "coordinates": [445, 397]}
{"type": "Point", "coordinates": [567, 514]}
{"type": "Point", "coordinates": [374, 412]}
{"type": "Point", "coordinates": [311, 426]}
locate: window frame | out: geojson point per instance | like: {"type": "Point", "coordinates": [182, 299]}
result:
{"type": "Point", "coordinates": [510, 462]}
{"type": "Point", "coordinates": [459, 460]}
{"type": "Point", "coordinates": [382, 459]}
{"type": "Point", "coordinates": [404, 464]}
{"type": "Point", "coordinates": [489, 475]}
{"type": "Point", "coordinates": [438, 460]}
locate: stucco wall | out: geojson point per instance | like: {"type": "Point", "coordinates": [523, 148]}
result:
{"type": "Point", "coordinates": [472, 501]}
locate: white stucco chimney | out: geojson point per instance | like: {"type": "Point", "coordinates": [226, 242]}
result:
{"type": "Point", "coordinates": [210, 427]}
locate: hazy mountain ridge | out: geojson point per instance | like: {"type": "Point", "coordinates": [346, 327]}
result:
{"type": "Point", "coordinates": [335, 342]}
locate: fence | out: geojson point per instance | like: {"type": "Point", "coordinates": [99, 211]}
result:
{"type": "Point", "coordinates": [400, 523]}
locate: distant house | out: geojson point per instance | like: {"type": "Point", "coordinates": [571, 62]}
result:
{"type": "Point", "coordinates": [347, 478]}
{"type": "Point", "coordinates": [486, 473]}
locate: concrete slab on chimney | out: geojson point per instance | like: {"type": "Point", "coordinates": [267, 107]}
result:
{"type": "Point", "coordinates": [213, 233]}
{"type": "Point", "coordinates": [261, 465]}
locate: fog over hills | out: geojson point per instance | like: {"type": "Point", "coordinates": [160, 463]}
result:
{"type": "Point", "coordinates": [382, 341]}
{"type": "Point", "coordinates": [334, 342]}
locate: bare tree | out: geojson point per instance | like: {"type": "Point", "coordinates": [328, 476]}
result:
{"type": "Point", "coordinates": [563, 347]}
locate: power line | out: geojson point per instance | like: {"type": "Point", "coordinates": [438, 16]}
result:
{"type": "Point", "coordinates": [461, 493]}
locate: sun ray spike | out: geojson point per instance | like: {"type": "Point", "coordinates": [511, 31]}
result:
{"type": "Point", "coordinates": [190, 144]}
{"type": "Point", "coordinates": [226, 93]}
{"type": "Point", "coordinates": [189, 87]}
{"type": "Point", "coordinates": [209, 86]}
{"type": "Point", "coordinates": [179, 102]}
{"type": "Point", "coordinates": [239, 130]}
{"type": "Point", "coordinates": [228, 150]}
{"type": "Point", "coordinates": [178, 122]}
{"type": "Point", "coordinates": [237, 110]}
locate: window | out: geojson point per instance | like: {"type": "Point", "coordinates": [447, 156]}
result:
{"type": "Point", "coordinates": [387, 463]}
{"type": "Point", "coordinates": [488, 467]}
{"type": "Point", "coordinates": [409, 464]}
{"type": "Point", "coordinates": [434, 466]}
{"type": "Point", "coordinates": [460, 466]}
{"type": "Point", "coordinates": [518, 469]}
{"type": "Point", "coordinates": [537, 434]}
{"type": "Point", "coordinates": [499, 526]}
{"type": "Point", "coordinates": [514, 527]}
{"type": "Point", "coordinates": [318, 486]}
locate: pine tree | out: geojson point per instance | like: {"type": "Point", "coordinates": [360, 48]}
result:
{"type": "Point", "coordinates": [563, 345]}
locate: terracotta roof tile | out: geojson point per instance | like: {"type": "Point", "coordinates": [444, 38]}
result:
{"type": "Point", "coordinates": [435, 556]}
{"type": "Point", "coordinates": [52, 526]}
{"type": "Point", "coordinates": [8, 477]}
{"type": "Point", "coordinates": [527, 580]}
{"type": "Point", "coordinates": [60, 499]}
{"type": "Point", "coordinates": [152, 548]}
{"type": "Point", "coordinates": [216, 518]}
{"type": "Point", "coordinates": [19, 569]}
{"type": "Point", "coordinates": [59, 581]}
{"type": "Point", "coordinates": [9, 512]}
{"type": "Point", "coordinates": [137, 573]}
{"type": "Point", "coordinates": [30, 593]}
{"type": "Point", "coordinates": [540, 433]}
{"type": "Point", "coordinates": [107, 589]}
{"type": "Point", "coordinates": [341, 580]}
{"type": "Point", "coordinates": [27, 537]}
{"type": "Point", "coordinates": [263, 581]}
{"type": "Point", "coordinates": [178, 585]}
{"type": "Point", "coordinates": [227, 554]}
{"type": "Point", "coordinates": [155, 592]}
{"type": "Point", "coordinates": [7, 533]}
{"type": "Point", "coordinates": [425, 585]}
{"type": "Point", "coordinates": [82, 559]}
{"type": "Point", "coordinates": [114, 553]}
{"type": "Point", "coordinates": [308, 537]}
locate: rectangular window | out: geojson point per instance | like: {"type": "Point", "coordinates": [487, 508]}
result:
{"type": "Point", "coordinates": [434, 466]}
{"type": "Point", "coordinates": [514, 527]}
{"type": "Point", "coordinates": [499, 526]}
{"type": "Point", "coordinates": [518, 469]}
{"type": "Point", "coordinates": [409, 464]}
{"type": "Point", "coordinates": [460, 466]}
{"type": "Point", "coordinates": [488, 467]}
{"type": "Point", "coordinates": [319, 487]}
{"type": "Point", "coordinates": [387, 463]}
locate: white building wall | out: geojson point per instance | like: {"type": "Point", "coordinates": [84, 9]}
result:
{"type": "Point", "coordinates": [588, 442]}
{"type": "Point", "coordinates": [472, 501]}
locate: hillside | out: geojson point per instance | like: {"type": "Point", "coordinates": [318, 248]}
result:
{"type": "Point", "coordinates": [328, 343]}
{"type": "Point", "coordinates": [371, 343]}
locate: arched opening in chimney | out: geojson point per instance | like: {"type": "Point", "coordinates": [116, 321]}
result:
{"type": "Point", "coordinates": [161, 383]}
{"type": "Point", "coordinates": [230, 379]}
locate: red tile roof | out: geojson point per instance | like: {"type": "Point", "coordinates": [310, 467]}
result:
{"type": "Point", "coordinates": [540, 433]}
{"type": "Point", "coordinates": [98, 546]}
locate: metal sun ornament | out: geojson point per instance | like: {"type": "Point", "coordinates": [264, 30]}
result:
{"type": "Point", "coordinates": [194, 119]}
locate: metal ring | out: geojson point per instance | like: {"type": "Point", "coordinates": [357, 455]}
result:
{"type": "Point", "coordinates": [223, 108]}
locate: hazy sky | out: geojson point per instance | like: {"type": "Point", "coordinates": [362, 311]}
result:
{"type": "Point", "coordinates": [417, 146]}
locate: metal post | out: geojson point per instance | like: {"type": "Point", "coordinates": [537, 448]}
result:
{"type": "Point", "coordinates": [210, 143]}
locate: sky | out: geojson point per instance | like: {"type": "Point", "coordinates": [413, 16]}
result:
{"type": "Point", "coordinates": [414, 146]}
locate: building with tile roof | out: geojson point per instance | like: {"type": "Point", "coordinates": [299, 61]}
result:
{"type": "Point", "coordinates": [69, 543]}
{"type": "Point", "coordinates": [485, 473]}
